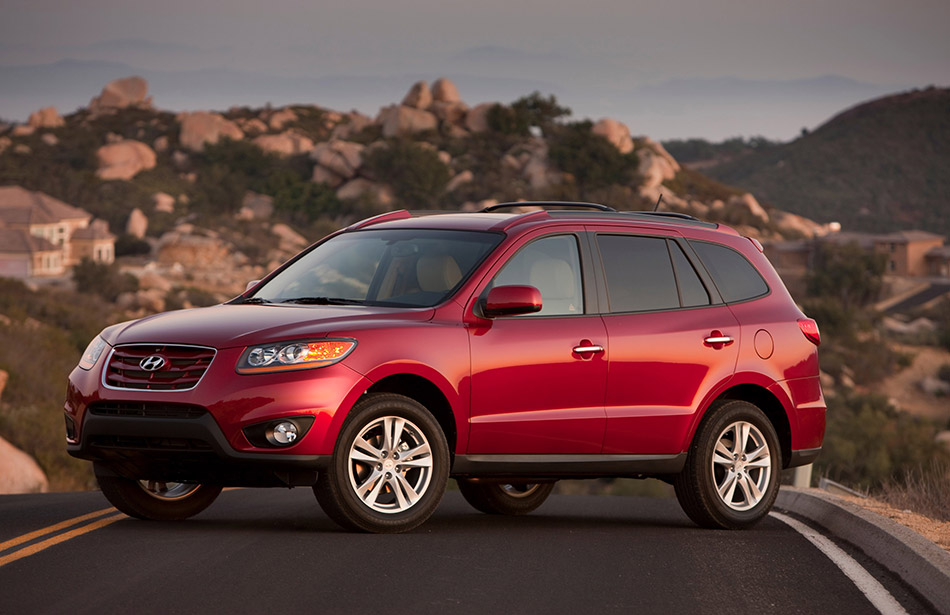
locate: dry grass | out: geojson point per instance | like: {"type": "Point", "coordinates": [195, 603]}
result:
{"type": "Point", "coordinates": [925, 491]}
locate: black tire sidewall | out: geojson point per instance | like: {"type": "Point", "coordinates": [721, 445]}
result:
{"type": "Point", "coordinates": [352, 512]}
{"type": "Point", "coordinates": [713, 511]}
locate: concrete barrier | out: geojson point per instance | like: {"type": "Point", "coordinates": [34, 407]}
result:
{"type": "Point", "coordinates": [918, 561]}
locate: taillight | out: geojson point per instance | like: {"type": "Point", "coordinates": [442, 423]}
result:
{"type": "Point", "coordinates": [810, 328]}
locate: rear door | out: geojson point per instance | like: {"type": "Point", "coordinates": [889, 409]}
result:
{"type": "Point", "coordinates": [672, 340]}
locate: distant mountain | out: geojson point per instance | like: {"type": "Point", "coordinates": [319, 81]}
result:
{"type": "Point", "coordinates": [879, 166]}
{"type": "Point", "coordinates": [593, 88]}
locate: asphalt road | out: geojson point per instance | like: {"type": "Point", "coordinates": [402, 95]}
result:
{"type": "Point", "coordinates": [258, 551]}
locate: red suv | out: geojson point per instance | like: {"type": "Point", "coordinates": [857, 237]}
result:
{"type": "Point", "coordinates": [506, 350]}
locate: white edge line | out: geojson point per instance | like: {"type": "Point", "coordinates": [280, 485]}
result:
{"type": "Point", "coordinates": [882, 599]}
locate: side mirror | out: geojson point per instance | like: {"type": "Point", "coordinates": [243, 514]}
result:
{"type": "Point", "coordinates": [251, 285]}
{"type": "Point", "coordinates": [512, 301]}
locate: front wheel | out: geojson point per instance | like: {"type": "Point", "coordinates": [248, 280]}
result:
{"type": "Point", "coordinates": [731, 478]}
{"type": "Point", "coordinates": [504, 498]}
{"type": "Point", "coordinates": [156, 500]}
{"type": "Point", "coordinates": [389, 467]}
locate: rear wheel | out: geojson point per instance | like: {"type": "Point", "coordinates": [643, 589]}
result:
{"type": "Point", "coordinates": [731, 478]}
{"type": "Point", "coordinates": [156, 500]}
{"type": "Point", "coordinates": [504, 498]}
{"type": "Point", "coordinates": [389, 467]}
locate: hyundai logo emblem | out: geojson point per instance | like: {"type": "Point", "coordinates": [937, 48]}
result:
{"type": "Point", "coordinates": [152, 363]}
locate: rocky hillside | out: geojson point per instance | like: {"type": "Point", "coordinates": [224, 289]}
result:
{"type": "Point", "coordinates": [880, 166]}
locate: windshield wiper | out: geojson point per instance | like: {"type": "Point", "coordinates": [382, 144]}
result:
{"type": "Point", "coordinates": [254, 300]}
{"type": "Point", "coordinates": [323, 301]}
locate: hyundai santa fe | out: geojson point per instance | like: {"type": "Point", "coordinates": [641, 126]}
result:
{"type": "Point", "coordinates": [506, 349]}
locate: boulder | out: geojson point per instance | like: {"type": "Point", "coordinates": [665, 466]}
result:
{"type": "Point", "coordinates": [46, 117]}
{"type": "Point", "coordinates": [5, 142]}
{"type": "Point", "coordinates": [4, 376]}
{"type": "Point", "coordinates": [191, 251]}
{"type": "Point", "coordinates": [792, 224]}
{"type": "Point", "coordinates": [124, 160]}
{"type": "Point", "coordinates": [462, 178]}
{"type": "Point", "coordinates": [444, 90]}
{"type": "Point", "coordinates": [23, 130]}
{"type": "Point", "coordinates": [160, 144]}
{"type": "Point", "coordinates": [359, 187]}
{"type": "Point", "coordinates": [656, 164]}
{"type": "Point", "coordinates": [121, 93]}
{"type": "Point", "coordinates": [323, 175]}
{"type": "Point", "coordinates": [150, 280]}
{"type": "Point", "coordinates": [350, 125]}
{"type": "Point", "coordinates": [399, 120]}
{"type": "Point", "coordinates": [137, 224]}
{"type": "Point", "coordinates": [256, 206]}
{"type": "Point", "coordinates": [164, 202]}
{"type": "Point", "coordinates": [50, 139]}
{"type": "Point", "coordinates": [934, 386]}
{"type": "Point", "coordinates": [745, 209]}
{"type": "Point", "coordinates": [418, 96]}
{"type": "Point", "coordinates": [19, 473]}
{"type": "Point", "coordinates": [252, 126]}
{"type": "Point", "coordinates": [451, 112]}
{"type": "Point", "coordinates": [279, 119]}
{"type": "Point", "coordinates": [290, 240]}
{"type": "Point", "coordinates": [343, 158]}
{"type": "Point", "coordinates": [285, 144]}
{"type": "Point", "coordinates": [203, 127]}
{"type": "Point", "coordinates": [615, 132]}
{"type": "Point", "coordinates": [476, 120]}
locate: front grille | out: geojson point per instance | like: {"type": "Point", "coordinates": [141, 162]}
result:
{"type": "Point", "coordinates": [147, 410]}
{"type": "Point", "coordinates": [182, 368]}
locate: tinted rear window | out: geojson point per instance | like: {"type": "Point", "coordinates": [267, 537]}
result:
{"type": "Point", "coordinates": [639, 273]}
{"type": "Point", "coordinates": [735, 277]}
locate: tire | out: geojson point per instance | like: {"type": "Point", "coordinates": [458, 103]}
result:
{"type": "Point", "coordinates": [732, 472]}
{"type": "Point", "coordinates": [504, 498]}
{"type": "Point", "coordinates": [389, 467]}
{"type": "Point", "coordinates": [156, 501]}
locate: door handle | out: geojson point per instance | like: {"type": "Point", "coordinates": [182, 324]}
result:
{"type": "Point", "coordinates": [716, 337]}
{"type": "Point", "coordinates": [591, 348]}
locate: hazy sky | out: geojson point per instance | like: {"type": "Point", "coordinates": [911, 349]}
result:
{"type": "Point", "coordinates": [601, 46]}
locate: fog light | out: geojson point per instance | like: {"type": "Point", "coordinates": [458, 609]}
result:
{"type": "Point", "coordinates": [282, 434]}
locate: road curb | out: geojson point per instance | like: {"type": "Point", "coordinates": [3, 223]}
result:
{"type": "Point", "coordinates": [918, 561]}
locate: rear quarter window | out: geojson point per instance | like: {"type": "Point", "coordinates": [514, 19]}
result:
{"type": "Point", "coordinates": [735, 277]}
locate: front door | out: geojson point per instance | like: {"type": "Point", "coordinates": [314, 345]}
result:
{"type": "Point", "coordinates": [538, 380]}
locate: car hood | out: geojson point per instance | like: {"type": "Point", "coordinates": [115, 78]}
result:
{"type": "Point", "coordinates": [224, 326]}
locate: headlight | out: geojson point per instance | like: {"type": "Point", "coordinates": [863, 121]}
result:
{"type": "Point", "coordinates": [286, 356]}
{"type": "Point", "coordinates": [92, 353]}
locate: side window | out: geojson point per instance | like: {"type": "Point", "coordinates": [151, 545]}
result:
{"type": "Point", "coordinates": [735, 276]}
{"type": "Point", "coordinates": [692, 291]}
{"type": "Point", "coordinates": [553, 266]}
{"type": "Point", "coordinates": [639, 273]}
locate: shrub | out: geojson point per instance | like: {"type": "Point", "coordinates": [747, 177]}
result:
{"type": "Point", "coordinates": [590, 158]}
{"type": "Point", "coordinates": [103, 280]}
{"type": "Point", "coordinates": [416, 174]}
{"type": "Point", "coordinates": [847, 273]}
{"type": "Point", "coordinates": [868, 442]}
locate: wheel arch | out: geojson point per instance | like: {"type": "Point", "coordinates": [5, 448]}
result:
{"type": "Point", "coordinates": [426, 393]}
{"type": "Point", "coordinates": [766, 401]}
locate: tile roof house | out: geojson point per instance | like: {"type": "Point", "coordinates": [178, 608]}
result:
{"type": "Point", "coordinates": [41, 236]}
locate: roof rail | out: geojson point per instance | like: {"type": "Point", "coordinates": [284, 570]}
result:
{"type": "Point", "coordinates": [545, 204]}
{"type": "Point", "coordinates": [399, 214]}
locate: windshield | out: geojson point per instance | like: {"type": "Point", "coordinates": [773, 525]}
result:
{"type": "Point", "coordinates": [406, 267]}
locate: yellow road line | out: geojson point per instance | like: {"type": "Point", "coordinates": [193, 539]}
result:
{"type": "Point", "coordinates": [53, 528]}
{"type": "Point", "coordinates": [55, 540]}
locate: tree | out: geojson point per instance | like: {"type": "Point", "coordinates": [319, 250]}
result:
{"type": "Point", "coordinates": [848, 273]}
{"type": "Point", "coordinates": [533, 111]}
{"type": "Point", "coordinates": [590, 158]}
